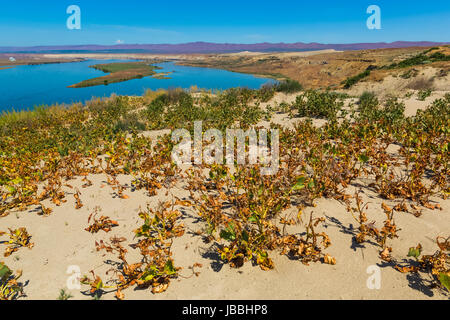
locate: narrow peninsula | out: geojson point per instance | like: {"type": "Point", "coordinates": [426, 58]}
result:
{"type": "Point", "coordinates": [119, 72]}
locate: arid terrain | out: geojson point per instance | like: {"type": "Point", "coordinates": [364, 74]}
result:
{"type": "Point", "coordinates": [325, 69]}
{"type": "Point", "coordinates": [313, 69]}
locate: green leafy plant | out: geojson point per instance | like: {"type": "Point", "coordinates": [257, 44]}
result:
{"type": "Point", "coordinates": [318, 104]}
{"type": "Point", "coordinates": [63, 295]}
{"type": "Point", "coordinates": [437, 264]}
{"type": "Point", "coordinates": [423, 94]}
{"type": "Point", "coordinates": [348, 83]}
{"type": "Point", "coordinates": [289, 86]}
{"type": "Point", "coordinates": [10, 288]}
{"type": "Point", "coordinates": [17, 238]}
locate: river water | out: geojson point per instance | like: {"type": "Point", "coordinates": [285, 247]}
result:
{"type": "Point", "coordinates": [24, 87]}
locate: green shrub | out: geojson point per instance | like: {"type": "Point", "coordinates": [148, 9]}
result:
{"type": "Point", "coordinates": [393, 111]}
{"type": "Point", "coordinates": [318, 104]}
{"type": "Point", "coordinates": [419, 59]}
{"type": "Point", "coordinates": [289, 86]}
{"type": "Point", "coordinates": [179, 109]}
{"type": "Point", "coordinates": [368, 100]}
{"type": "Point", "coordinates": [129, 123]}
{"type": "Point", "coordinates": [370, 109]}
{"type": "Point", "coordinates": [413, 61]}
{"type": "Point", "coordinates": [352, 80]}
{"type": "Point", "coordinates": [423, 94]}
{"type": "Point", "coordinates": [439, 56]}
{"type": "Point", "coordinates": [408, 74]}
{"type": "Point", "coordinates": [437, 115]}
{"type": "Point", "coordinates": [266, 92]}
{"type": "Point", "coordinates": [368, 106]}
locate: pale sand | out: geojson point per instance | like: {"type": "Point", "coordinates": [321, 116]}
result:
{"type": "Point", "coordinates": [123, 56]}
{"type": "Point", "coordinates": [193, 56]}
{"type": "Point", "coordinates": [61, 241]}
{"type": "Point", "coordinates": [391, 85]}
{"type": "Point", "coordinates": [280, 54]}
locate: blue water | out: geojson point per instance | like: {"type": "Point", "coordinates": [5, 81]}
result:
{"type": "Point", "coordinates": [24, 87]}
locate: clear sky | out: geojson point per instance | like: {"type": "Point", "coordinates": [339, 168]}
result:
{"type": "Point", "coordinates": [40, 22]}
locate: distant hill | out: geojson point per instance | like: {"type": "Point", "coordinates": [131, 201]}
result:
{"type": "Point", "coordinates": [207, 47]}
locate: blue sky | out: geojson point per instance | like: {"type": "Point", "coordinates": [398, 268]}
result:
{"type": "Point", "coordinates": [40, 22]}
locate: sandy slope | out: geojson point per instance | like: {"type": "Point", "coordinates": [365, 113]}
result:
{"type": "Point", "coordinates": [279, 54]}
{"type": "Point", "coordinates": [61, 241]}
{"type": "Point", "coordinates": [393, 84]}
{"type": "Point", "coordinates": [180, 56]}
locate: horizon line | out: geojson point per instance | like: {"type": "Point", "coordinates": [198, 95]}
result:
{"type": "Point", "coordinates": [228, 43]}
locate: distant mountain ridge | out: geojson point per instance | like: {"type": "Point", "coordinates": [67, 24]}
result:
{"type": "Point", "coordinates": [208, 47]}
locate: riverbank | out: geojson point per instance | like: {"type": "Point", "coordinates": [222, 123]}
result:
{"type": "Point", "coordinates": [33, 59]}
{"type": "Point", "coordinates": [24, 87]}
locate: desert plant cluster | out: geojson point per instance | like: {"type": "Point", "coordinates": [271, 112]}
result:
{"type": "Point", "coordinates": [245, 215]}
{"type": "Point", "coordinates": [428, 56]}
